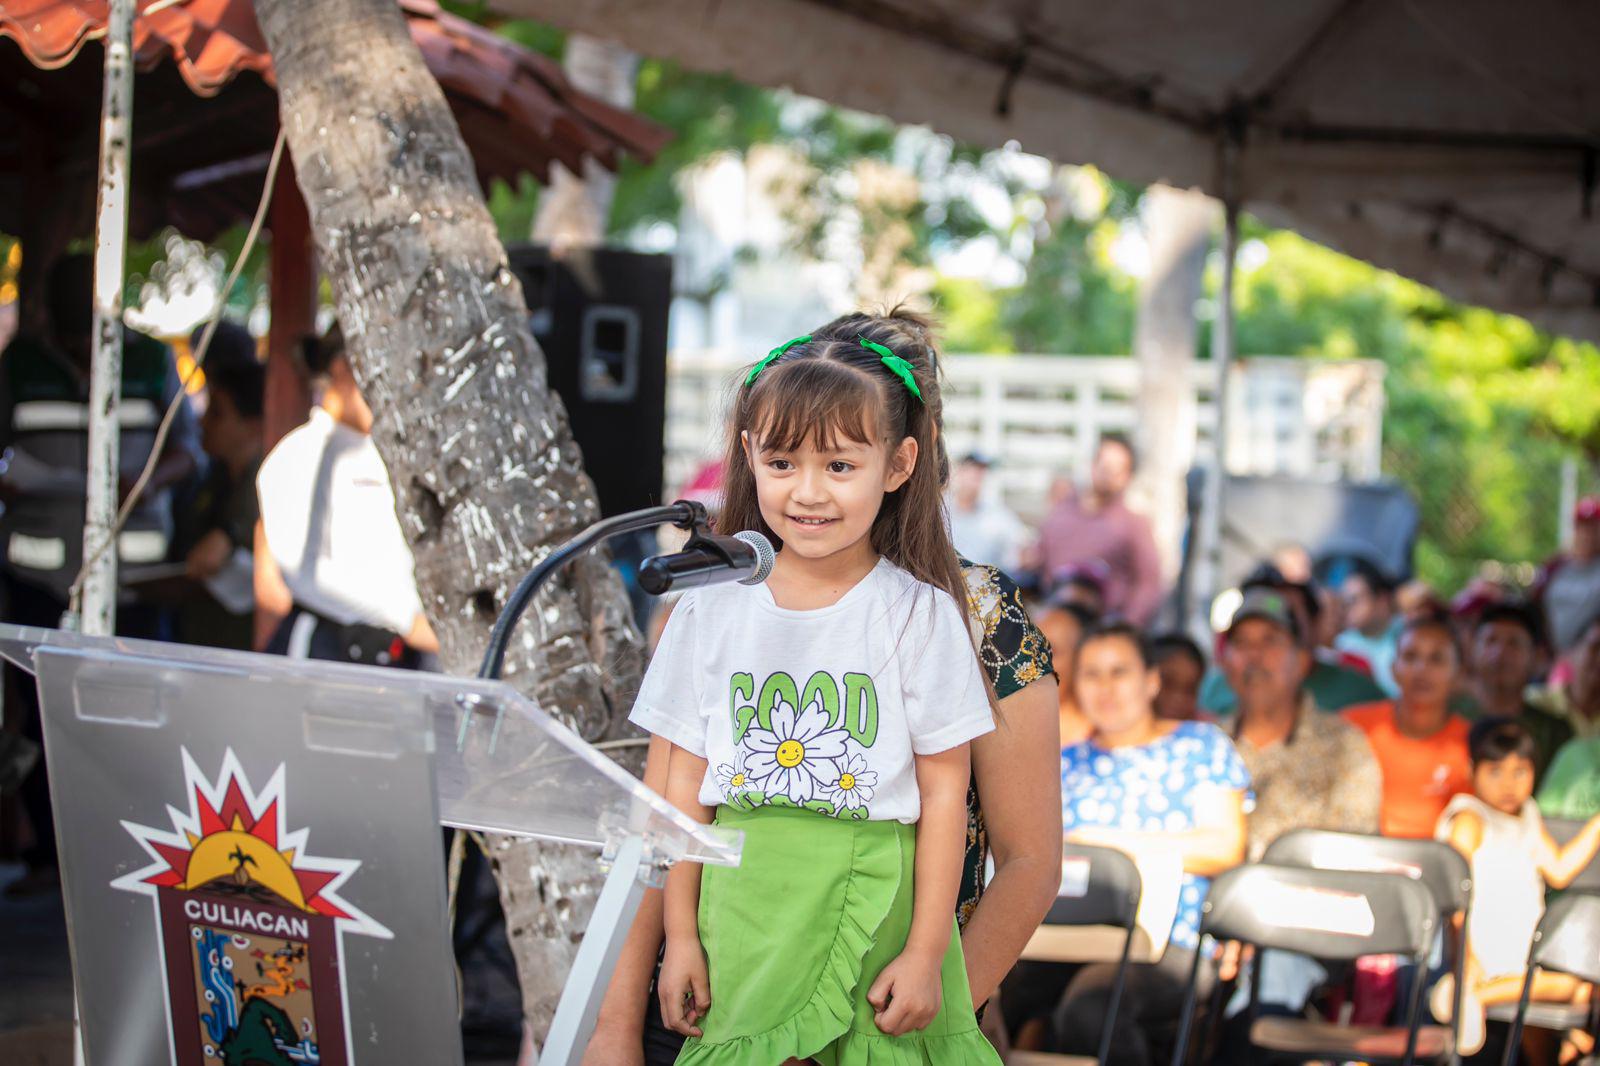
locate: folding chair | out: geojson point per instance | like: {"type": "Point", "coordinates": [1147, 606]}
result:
{"type": "Point", "coordinates": [1099, 887]}
{"type": "Point", "coordinates": [1443, 869]}
{"type": "Point", "coordinates": [1335, 915]}
{"type": "Point", "coordinates": [1560, 1016]}
{"type": "Point", "coordinates": [1567, 941]}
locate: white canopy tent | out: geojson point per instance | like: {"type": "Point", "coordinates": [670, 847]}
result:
{"type": "Point", "coordinates": [1454, 141]}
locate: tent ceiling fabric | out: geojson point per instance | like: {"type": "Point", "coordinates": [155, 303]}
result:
{"type": "Point", "coordinates": [1454, 141]}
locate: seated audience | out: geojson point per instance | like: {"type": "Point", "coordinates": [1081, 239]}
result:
{"type": "Point", "coordinates": [1576, 700]}
{"type": "Point", "coordinates": [1499, 829]}
{"type": "Point", "coordinates": [1063, 623]}
{"type": "Point", "coordinates": [1182, 666]}
{"type": "Point", "coordinates": [1416, 599]}
{"type": "Point", "coordinates": [1333, 682]}
{"type": "Point", "coordinates": [1467, 606]}
{"type": "Point", "coordinates": [1294, 562]}
{"type": "Point", "coordinates": [1570, 789]}
{"type": "Point", "coordinates": [1507, 653]}
{"type": "Point", "coordinates": [1372, 620]}
{"type": "Point", "coordinates": [1081, 585]}
{"type": "Point", "coordinates": [1137, 783]}
{"type": "Point", "coordinates": [1420, 745]}
{"type": "Point", "coordinates": [1307, 770]}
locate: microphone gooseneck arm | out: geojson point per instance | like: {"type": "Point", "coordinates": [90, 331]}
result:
{"type": "Point", "coordinates": [685, 514]}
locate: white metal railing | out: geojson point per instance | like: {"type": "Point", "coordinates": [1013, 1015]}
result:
{"type": "Point", "coordinates": [1038, 416]}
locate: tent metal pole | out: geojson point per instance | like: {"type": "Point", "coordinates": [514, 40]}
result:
{"type": "Point", "coordinates": [1222, 355]}
{"type": "Point", "coordinates": [99, 606]}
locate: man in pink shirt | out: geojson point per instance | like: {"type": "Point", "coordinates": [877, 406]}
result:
{"type": "Point", "coordinates": [1099, 527]}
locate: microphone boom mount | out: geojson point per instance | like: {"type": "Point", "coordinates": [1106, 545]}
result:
{"type": "Point", "coordinates": [685, 514]}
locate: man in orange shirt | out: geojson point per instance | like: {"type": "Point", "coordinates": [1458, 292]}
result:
{"type": "Point", "coordinates": [1421, 747]}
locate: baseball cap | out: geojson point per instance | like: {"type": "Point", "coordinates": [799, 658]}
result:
{"type": "Point", "coordinates": [1587, 510]}
{"type": "Point", "coordinates": [1478, 596]}
{"type": "Point", "coordinates": [1268, 604]}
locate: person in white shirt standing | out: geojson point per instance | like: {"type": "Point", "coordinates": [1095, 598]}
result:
{"type": "Point", "coordinates": [983, 529]}
{"type": "Point", "coordinates": [336, 578]}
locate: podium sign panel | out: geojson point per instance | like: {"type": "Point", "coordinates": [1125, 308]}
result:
{"type": "Point", "coordinates": [238, 890]}
{"type": "Point", "coordinates": [250, 852]}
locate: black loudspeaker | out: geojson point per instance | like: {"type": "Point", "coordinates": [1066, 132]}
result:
{"type": "Point", "coordinates": [601, 317]}
{"type": "Point", "coordinates": [1332, 520]}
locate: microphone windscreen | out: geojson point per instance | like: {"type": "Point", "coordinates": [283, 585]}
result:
{"type": "Point", "coordinates": [765, 556]}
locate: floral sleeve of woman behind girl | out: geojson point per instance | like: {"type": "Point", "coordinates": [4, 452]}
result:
{"type": "Point", "coordinates": [1015, 655]}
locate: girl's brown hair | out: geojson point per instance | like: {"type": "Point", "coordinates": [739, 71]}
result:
{"type": "Point", "coordinates": [834, 386]}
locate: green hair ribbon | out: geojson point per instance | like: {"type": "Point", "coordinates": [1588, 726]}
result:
{"type": "Point", "coordinates": [772, 357]}
{"type": "Point", "coordinates": [901, 368]}
{"type": "Point", "coordinates": [898, 366]}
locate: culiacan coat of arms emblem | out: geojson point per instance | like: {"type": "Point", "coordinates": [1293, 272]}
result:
{"type": "Point", "coordinates": [251, 926]}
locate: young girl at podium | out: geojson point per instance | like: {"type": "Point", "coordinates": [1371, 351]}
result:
{"type": "Point", "coordinates": [827, 714]}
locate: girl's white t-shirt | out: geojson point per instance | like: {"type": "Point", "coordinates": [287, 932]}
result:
{"type": "Point", "coordinates": [821, 709]}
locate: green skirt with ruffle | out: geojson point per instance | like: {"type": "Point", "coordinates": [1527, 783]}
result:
{"type": "Point", "coordinates": [794, 937]}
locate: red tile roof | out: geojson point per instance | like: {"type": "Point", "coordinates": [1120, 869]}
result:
{"type": "Point", "coordinates": [515, 107]}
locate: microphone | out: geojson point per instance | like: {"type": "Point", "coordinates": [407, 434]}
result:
{"type": "Point", "coordinates": [745, 557]}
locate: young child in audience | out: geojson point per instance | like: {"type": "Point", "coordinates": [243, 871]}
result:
{"type": "Point", "coordinates": [1182, 666]}
{"type": "Point", "coordinates": [1499, 830]}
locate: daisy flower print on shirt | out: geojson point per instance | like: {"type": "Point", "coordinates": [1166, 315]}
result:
{"type": "Point", "coordinates": [733, 778]}
{"type": "Point", "coordinates": [855, 785]}
{"type": "Point", "coordinates": [797, 757]}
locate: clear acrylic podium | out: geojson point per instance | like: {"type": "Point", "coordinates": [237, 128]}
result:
{"type": "Point", "coordinates": [250, 855]}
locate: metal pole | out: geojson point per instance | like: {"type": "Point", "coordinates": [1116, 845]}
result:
{"type": "Point", "coordinates": [99, 608]}
{"type": "Point", "coordinates": [1210, 569]}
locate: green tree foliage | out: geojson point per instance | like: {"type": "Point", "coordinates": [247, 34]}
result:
{"type": "Point", "coordinates": [1073, 299]}
{"type": "Point", "coordinates": [1482, 407]}
{"type": "Point", "coordinates": [709, 114]}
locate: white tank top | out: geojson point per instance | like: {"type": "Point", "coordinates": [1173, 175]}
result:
{"type": "Point", "coordinates": [1507, 887]}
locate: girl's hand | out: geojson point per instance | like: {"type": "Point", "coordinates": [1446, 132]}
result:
{"type": "Point", "coordinates": [907, 993]}
{"type": "Point", "coordinates": [684, 987]}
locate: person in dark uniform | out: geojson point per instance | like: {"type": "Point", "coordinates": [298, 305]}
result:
{"type": "Point", "coordinates": [215, 528]}
{"type": "Point", "coordinates": [44, 420]}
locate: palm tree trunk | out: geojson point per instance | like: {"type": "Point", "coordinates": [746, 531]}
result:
{"type": "Point", "coordinates": [1165, 339]}
{"type": "Point", "coordinates": [486, 475]}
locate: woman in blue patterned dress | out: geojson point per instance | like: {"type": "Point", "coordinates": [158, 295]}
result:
{"type": "Point", "coordinates": [1140, 784]}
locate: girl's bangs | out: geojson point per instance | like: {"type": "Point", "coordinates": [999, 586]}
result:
{"type": "Point", "coordinates": [815, 401]}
